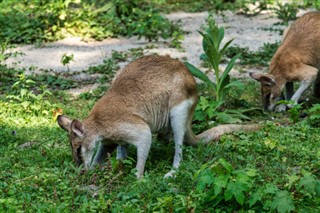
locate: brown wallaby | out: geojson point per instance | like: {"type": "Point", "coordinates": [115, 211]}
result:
{"type": "Point", "coordinates": [297, 59]}
{"type": "Point", "coordinates": [150, 95]}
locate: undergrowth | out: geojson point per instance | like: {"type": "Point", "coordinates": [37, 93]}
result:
{"type": "Point", "coordinates": [41, 21]}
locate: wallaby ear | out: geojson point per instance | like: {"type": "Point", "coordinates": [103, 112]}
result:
{"type": "Point", "coordinates": [77, 128]}
{"type": "Point", "coordinates": [265, 79]}
{"type": "Point", "coordinates": [64, 122]}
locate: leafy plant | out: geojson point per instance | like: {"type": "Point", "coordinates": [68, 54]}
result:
{"type": "Point", "coordinates": [66, 59]}
{"type": "Point", "coordinates": [27, 99]}
{"type": "Point", "coordinates": [39, 21]}
{"type": "Point", "coordinates": [220, 182]}
{"type": "Point", "coordinates": [252, 7]}
{"type": "Point", "coordinates": [314, 115]}
{"type": "Point", "coordinates": [286, 12]}
{"type": "Point", "coordinates": [6, 52]}
{"type": "Point", "coordinates": [262, 57]}
{"type": "Point", "coordinates": [212, 38]}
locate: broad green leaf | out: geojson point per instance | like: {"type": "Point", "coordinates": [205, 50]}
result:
{"type": "Point", "coordinates": [223, 83]}
{"type": "Point", "coordinates": [255, 197]}
{"type": "Point", "coordinates": [235, 83]}
{"type": "Point", "coordinates": [16, 84]}
{"type": "Point", "coordinates": [236, 190]}
{"type": "Point", "coordinates": [23, 92]}
{"type": "Point", "coordinates": [271, 189]}
{"type": "Point", "coordinates": [220, 182]}
{"type": "Point", "coordinates": [220, 37]}
{"type": "Point", "coordinates": [283, 202]}
{"type": "Point", "coordinates": [251, 172]}
{"type": "Point", "coordinates": [229, 66]}
{"type": "Point", "coordinates": [226, 165]}
{"type": "Point", "coordinates": [203, 167]}
{"type": "Point", "coordinates": [197, 73]}
{"type": "Point", "coordinates": [243, 178]}
{"type": "Point", "coordinates": [237, 114]}
{"type": "Point", "coordinates": [25, 104]}
{"type": "Point", "coordinates": [226, 45]}
{"type": "Point", "coordinates": [204, 180]}
{"type": "Point", "coordinates": [203, 103]}
{"type": "Point", "coordinates": [308, 182]}
{"type": "Point", "coordinates": [227, 118]}
{"type": "Point", "coordinates": [29, 81]}
{"type": "Point", "coordinates": [292, 179]}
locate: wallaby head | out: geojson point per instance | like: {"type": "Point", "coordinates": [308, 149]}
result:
{"type": "Point", "coordinates": [76, 134]}
{"type": "Point", "coordinates": [80, 139]}
{"type": "Point", "coordinates": [150, 95]}
{"type": "Point", "coordinates": [270, 90]}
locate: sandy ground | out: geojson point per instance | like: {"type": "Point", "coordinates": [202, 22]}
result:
{"type": "Point", "coordinates": [248, 32]}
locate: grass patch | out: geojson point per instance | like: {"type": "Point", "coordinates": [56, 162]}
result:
{"type": "Point", "coordinates": [276, 160]}
{"type": "Point", "coordinates": [262, 57]}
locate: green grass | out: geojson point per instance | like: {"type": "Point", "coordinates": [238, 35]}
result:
{"type": "Point", "coordinates": [43, 177]}
{"type": "Point", "coordinates": [275, 169]}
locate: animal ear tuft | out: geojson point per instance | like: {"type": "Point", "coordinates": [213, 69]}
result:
{"type": "Point", "coordinates": [265, 79]}
{"type": "Point", "coordinates": [77, 128]}
{"type": "Point", "coordinates": [64, 122]}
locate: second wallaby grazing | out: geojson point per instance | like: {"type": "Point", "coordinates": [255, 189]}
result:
{"type": "Point", "coordinates": [297, 59]}
{"type": "Point", "coordinates": [154, 94]}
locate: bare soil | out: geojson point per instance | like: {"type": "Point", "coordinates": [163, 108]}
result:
{"type": "Point", "coordinates": [248, 32]}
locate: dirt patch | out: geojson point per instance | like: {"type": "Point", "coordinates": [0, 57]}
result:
{"type": "Point", "coordinates": [248, 32]}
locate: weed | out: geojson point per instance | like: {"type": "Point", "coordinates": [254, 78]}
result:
{"type": "Point", "coordinates": [262, 57]}
{"type": "Point", "coordinates": [286, 12]}
{"type": "Point", "coordinates": [314, 115]}
{"type": "Point", "coordinates": [66, 59]}
{"type": "Point", "coordinates": [34, 22]}
{"type": "Point", "coordinates": [212, 38]}
{"type": "Point", "coordinates": [30, 101]}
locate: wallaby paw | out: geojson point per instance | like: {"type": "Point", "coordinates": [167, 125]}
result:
{"type": "Point", "coordinates": [281, 108]}
{"type": "Point", "coordinates": [170, 174]}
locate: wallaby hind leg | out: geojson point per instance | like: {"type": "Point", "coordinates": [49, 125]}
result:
{"type": "Point", "coordinates": [179, 123]}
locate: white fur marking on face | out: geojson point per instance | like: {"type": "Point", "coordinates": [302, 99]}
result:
{"type": "Point", "coordinates": [87, 157]}
{"type": "Point", "coordinates": [88, 153]}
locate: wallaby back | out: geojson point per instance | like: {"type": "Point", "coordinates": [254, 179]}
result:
{"type": "Point", "coordinates": [147, 88]}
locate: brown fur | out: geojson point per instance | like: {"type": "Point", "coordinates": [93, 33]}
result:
{"type": "Point", "coordinates": [297, 59]}
{"type": "Point", "coordinates": [150, 95]}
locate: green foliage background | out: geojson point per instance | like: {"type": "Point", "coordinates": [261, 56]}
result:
{"type": "Point", "coordinates": [275, 169]}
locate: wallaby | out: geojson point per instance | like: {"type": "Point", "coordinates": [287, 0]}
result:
{"type": "Point", "coordinates": [149, 95]}
{"type": "Point", "coordinates": [297, 59]}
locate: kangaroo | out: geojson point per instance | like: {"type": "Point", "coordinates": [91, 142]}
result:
{"type": "Point", "coordinates": [149, 95]}
{"type": "Point", "coordinates": [154, 94]}
{"type": "Point", "coordinates": [297, 59]}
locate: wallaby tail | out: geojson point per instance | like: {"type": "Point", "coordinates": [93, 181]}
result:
{"type": "Point", "coordinates": [216, 132]}
{"type": "Point", "coordinates": [190, 138]}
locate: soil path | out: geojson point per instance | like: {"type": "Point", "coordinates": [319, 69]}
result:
{"type": "Point", "coordinates": [248, 32]}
